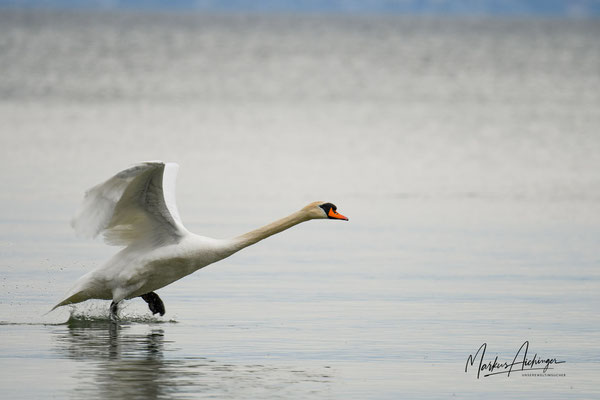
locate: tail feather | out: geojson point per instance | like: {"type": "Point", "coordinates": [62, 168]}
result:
{"type": "Point", "coordinates": [72, 299]}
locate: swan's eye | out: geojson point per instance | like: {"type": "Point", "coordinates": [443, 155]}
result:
{"type": "Point", "coordinates": [327, 207]}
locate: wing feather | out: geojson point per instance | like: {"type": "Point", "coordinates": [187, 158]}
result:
{"type": "Point", "coordinates": [137, 204]}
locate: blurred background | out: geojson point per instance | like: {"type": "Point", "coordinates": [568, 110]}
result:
{"type": "Point", "coordinates": [461, 138]}
{"type": "Point", "coordinates": [301, 99]}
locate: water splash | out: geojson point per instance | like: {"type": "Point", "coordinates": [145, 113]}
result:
{"type": "Point", "coordinates": [97, 313]}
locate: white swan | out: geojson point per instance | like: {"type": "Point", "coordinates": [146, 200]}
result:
{"type": "Point", "coordinates": [136, 209]}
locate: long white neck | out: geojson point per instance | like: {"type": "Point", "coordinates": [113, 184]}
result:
{"type": "Point", "coordinates": [259, 234]}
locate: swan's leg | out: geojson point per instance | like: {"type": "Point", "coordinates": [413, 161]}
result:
{"type": "Point", "coordinates": [155, 304]}
{"type": "Point", "coordinates": [114, 308]}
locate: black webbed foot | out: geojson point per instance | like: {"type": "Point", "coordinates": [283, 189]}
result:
{"type": "Point", "coordinates": [155, 304]}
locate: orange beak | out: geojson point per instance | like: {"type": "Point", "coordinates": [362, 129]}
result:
{"type": "Point", "coordinates": [335, 215]}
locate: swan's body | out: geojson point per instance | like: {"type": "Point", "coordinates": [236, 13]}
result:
{"type": "Point", "coordinates": [136, 208]}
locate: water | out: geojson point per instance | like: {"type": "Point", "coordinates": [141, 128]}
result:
{"type": "Point", "coordinates": [464, 152]}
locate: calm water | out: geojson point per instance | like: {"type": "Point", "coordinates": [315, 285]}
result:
{"type": "Point", "coordinates": [465, 153]}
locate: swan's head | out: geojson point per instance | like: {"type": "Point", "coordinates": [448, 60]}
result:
{"type": "Point", "coordinates": [323, 210]}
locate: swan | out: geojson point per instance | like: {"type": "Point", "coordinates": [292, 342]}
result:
{"type": "Point", "coordinates": [136, 209]}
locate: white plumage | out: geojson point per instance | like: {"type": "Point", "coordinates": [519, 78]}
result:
{"type": "Point", "coordinates": [136, 209]}
{"type": "Point", "coordinates": [137, 204]}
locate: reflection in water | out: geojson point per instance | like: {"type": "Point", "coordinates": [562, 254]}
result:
{"type": "Point", "coordinates": [117, 362]}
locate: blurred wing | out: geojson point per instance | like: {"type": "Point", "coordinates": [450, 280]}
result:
{"type": "Point", "coordinates": [137, 204]}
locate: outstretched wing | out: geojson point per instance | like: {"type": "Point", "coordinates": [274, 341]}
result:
{"type": "Point", "coordinates": [137, 204]}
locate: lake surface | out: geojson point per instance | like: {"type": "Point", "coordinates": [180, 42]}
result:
{"type": "Point", "coordinates": [464, 151]}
